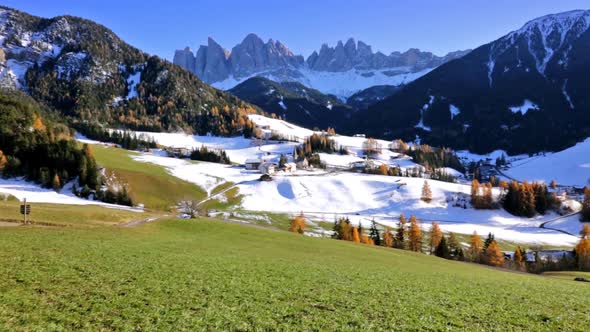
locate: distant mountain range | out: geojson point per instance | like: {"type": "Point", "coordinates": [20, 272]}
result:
{"type": "Point", "coordinates": [341, 70]}
{"type": "Point", "coordinates": [527, 91]}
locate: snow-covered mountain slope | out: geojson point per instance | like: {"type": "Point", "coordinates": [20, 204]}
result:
{"type": "Point", "coordinates": [526, 92]}
{"type": "Point", "coordinates": [568, 167]}
{"type": "Point", "coordinates": [341, 84]}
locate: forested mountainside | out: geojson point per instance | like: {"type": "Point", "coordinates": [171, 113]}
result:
{"type": "Point", "coordinates": [87, 73]}
{"type": "Point", "coordinates": [525, 92]}
{"type": "Point", "coordinates": [294, 102]}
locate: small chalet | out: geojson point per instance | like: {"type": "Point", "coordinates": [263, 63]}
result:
{"type": "Point", "coordinates": [268, 168]}
{"type": "Point", "coordinates": [252, 164]}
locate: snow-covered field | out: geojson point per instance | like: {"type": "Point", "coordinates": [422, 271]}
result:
{"type": "Point", "coordinates": [36, 194]}
{"type": "Point", "coordinates": [362, 197]}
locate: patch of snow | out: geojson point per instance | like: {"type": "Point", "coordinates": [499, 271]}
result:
{"type": "Point", "coordinates": [132, 82]}
{"type": "Point", "coordinates": [454, 111]}
{"type": "Point", "coordinates": [282, 104]}
{"type": "Point", "coordinates": [36, 194]}
{"type": "Point", "coordinates": [565, 94]}
{"type": "Point", "coordinates": [524, 108]}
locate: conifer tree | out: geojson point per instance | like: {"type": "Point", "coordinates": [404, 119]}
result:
{"type": "Point", "coordinates": [586, 205]}
{"type": "Point", "coordinates": [442, 249]}
{"type": "Point", "coordinates": [387, 238]}
{"type": "Point", "coordinates": [298, 224]}
{"type": "Point", "coordinates": [488, 241]}
{"type": "Point", "coordinates": [436, 236]}
{"type": "Point", "coordinates": [426, 192]}
{"type": "Point", "coordinates": [400, 237]}
{"type": "Point", "coordinates": [374, 233]}
{"type": "Point", "coordinates": [475, 193]}
{"type": "Point", "coordinates": [56, 183]}
{"type": "Point", "coordinates": [518, 259]}
{"type": "Point", "coordinates": [415, 235]}
{"type": "Point", "coordinates": [453, 244]}
{"type": "Point", "coordinates": [583, 249]}
{"type": "Point", "coordinates": [3, 160]}
{"type": "Point", "coordinates": [355, 235]}
{"type": "Point", "coordinates": [475, 247]}
{"type": "Point", "coordinates": [494, 256]}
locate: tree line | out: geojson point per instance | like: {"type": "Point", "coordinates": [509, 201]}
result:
{"type": "Point", "coordinates": [125, 139]}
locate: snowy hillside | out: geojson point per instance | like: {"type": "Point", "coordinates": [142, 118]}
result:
{"type": "Point", "coordinates": [341, 84]}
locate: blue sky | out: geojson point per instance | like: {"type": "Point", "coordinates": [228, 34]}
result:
{"type": "Point", "coordinates": [440, 26]}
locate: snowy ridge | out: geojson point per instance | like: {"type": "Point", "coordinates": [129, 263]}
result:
{"type": "Point", "coordinates": [546, 38]}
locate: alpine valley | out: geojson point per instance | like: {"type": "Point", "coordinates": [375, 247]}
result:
{"type": "Point", "coordinates": [259, 190]}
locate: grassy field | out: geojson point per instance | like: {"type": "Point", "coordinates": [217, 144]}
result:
{"type": "Point", "coordinates": [567, 275]}
{"type": "Point", "coordinates": [209, 275]}
{"type": "Point", "coordinates": [69, 215]}
{"type": "Point", "coordinates": [149, 184]}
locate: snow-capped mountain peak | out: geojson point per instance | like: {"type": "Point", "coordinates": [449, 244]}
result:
{"type": "Point", "coordinates": [547, 38]}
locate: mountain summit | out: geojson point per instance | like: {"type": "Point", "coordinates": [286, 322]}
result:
{"type": "Point", "coordinates": [341, 70]}
{"type": "Point", "coordinates": [526, 91]}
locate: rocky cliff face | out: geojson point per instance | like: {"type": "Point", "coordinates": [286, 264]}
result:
{"type": "Point", "coordinates": [254, 57]}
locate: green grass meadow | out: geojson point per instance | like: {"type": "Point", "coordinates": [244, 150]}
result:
{"type": "Point", "coordinates": [208, 275]}
{"type": "Point", "coordinates": [149, 184]}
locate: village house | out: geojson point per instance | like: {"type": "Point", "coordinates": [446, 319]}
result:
{"type": "Point", "coordinates": [268, 168]}
{"type": "Point", "coordinates": [252, 164]}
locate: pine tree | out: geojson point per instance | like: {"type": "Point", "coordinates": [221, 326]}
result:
{"type": "Point", "coordinates": [387, 238]}
{"type": "Point", "coordinates": [426, 192]}
{"type": "Point", "coordinates": [436, 236]}
{"type": "Point", "coordinates": [453, 244]}
{"type": "Point", "coordinates": [415, 235]}
{"type": "Point", "coordinates": [518, 259]}
{"type": "Point", "coordinates": [488, 241]}
{"type": "Point", "coordinates": [494, 256]}
{"type": "Point", "coordinates": [475, 247]}
{"type": "Point", "coordinates": [586, 205]}
{"type": "Point", "coordinates": [374, 233]}
{"type": "Point", "coordinates": [298, 224]}
{"type": "Point", "coordinates": [442, 249]}
{"type": "Point", "coordinates": [355, 235]}
{"type": "Point", "coordinates": [400, 237]}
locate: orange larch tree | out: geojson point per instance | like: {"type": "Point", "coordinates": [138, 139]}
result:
{"type": "Point", "coordinates": [475, 247]}
{"type": "Point", "coordinates": [415, 235]}
{"type": "Point", "coordinates": [435, 236]}
{"type": "Point", "coordinates": [494, 256]}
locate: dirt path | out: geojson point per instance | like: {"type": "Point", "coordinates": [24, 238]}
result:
{"type": "Point", "coordinates": [9, 224]}
{"type": "Point", "coordinates": [137, 222]}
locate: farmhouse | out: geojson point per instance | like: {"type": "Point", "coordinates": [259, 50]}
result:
{"type": "Point", "coordinates": [252, 164]}
{"type": "Point", "coordinates": [268, 168]}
